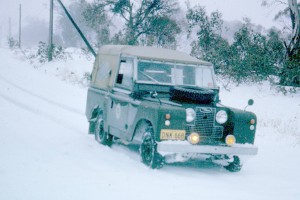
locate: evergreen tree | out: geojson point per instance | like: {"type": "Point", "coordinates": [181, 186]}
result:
{"type": "Point", "coordinates": [210, 46]}
{"type": "Point", "coordinates": [251, 57]}
{"type": "Point", "coordinates": [276, 50]}
{"type": "Point", "coordinates": [254, 57]}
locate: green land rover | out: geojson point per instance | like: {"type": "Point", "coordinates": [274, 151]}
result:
{"type": "Point", "coordinates": [167, 102]}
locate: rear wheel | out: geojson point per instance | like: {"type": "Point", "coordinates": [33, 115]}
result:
{"type": "Point", "coordinates": [235, 165]}
{"type": "Point", "coordinates": [148, 151]}
{"type": "Point", "coordinates": [100, 135]}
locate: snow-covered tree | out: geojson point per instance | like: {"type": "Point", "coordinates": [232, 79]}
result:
{"type": "Point", "coordinates": [147, 22]}
{"type": "Point", "coordinates": [97, 19]}
{"type": "Point", "coordinates": [291, 71]}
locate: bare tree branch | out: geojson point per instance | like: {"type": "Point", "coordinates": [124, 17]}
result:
{"type": "Point", "coordinates": [295, 18]}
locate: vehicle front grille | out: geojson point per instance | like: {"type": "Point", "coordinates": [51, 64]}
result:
{"type": "Point", "coordinates": [204, 123]}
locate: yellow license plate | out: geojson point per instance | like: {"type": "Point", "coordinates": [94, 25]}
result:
{"type": "Point", "coordinates": [167, 134]}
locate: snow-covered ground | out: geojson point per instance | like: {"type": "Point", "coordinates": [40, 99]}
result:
{"type": "Point", "coordinates": [46, 153]}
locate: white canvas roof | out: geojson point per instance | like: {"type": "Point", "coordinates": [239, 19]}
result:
{"type": "Point", "coordinates": [151, 53]}
{"type": "Point", "coordinates": [108, 58]}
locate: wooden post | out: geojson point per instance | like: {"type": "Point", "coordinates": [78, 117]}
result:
{"type": "Point", "coordinates": [50, 45]}
{"type": "Point", "coordinates": [0, 35]}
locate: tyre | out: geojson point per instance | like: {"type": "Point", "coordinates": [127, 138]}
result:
{"type": "Point", "coordinates": [100, 135]}
{"type": "Point", "coordinates": [91, 127]}
{"type": "Point", "coordinates": [235, 165]}
{"type": "Point", "coordinates": [148, 152]}
{"type": "Point", "coordinates": [202, 96]}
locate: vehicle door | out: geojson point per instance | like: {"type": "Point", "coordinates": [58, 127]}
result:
{"type": "Point", "coordinates": [121, 104]}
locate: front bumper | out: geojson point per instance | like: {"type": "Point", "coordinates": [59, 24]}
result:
{"type": "Point", "coordinates": [184, 147]}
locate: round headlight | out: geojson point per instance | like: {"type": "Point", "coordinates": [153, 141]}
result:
{"type": "Point", "coordinates": [194, 138]}
{"type": "Point", "coordinates": [221, 117]}
{"type": "Point", "coordinates": [230, 140]}
{"type": "Point", "coordinates": [190, 115]}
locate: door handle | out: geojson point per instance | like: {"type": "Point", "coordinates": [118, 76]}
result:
{"type": "Point", "coordinates": [112, 104]}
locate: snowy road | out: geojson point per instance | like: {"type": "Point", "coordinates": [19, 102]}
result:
{"type": "Point", "coordinates": [46, 153]}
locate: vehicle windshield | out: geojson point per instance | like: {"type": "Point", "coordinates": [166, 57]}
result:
{"type": "Point", "coordinates": [175, 74]}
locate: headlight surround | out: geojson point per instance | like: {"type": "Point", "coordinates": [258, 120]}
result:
{"type": "Point", "coordinates": [190, 115]}
{"type": "Point", "coordinates": [221, 116]}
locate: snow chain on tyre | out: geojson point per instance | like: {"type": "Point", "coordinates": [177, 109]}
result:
{"type": "Point", "coordinates": [235, 165]}
{"type": "Point", "coordinates": [100, 135]}
{"type": "Point", "coordinates": [148, 152]}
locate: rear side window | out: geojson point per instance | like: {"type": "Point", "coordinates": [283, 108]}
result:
{"type": "Point", "coordinates": [125, 74]}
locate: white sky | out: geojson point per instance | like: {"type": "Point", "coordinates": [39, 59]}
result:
{"type": "Point", "coordinates": [231, 10]}
{"type": "Point", "coordinates": [239, 9]}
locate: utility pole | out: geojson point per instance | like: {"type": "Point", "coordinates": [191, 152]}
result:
{"type": "Point", "coordinates": [0, 35]}
{"type": "Point", "coordinates": [9, 39]}
{"type": "Point", "coordinates": [20, 23]}
{"type": "Point", "coordinates": [50, 46]}
{"type": "Point", "coordinates": [9, 28]}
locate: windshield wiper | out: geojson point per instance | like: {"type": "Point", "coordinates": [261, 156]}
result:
{"type": "Point", "coordinates": [150, 77]}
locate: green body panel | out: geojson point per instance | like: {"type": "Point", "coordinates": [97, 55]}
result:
{"type": "Point", "coordinates": [177, 121]}
{"type": "Point", "coordinates": [240, 122]}
{"type": "Point", "coordinates": [149, 112]}
{"type": "Point", "coordinates": [154, 112]}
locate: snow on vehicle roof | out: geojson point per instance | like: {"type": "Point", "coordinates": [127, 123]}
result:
{"type": "Point", "coordinates": [151, 53]}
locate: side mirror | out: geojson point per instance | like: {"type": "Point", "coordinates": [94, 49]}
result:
{"type": "Point", "coordinates": [250, 103]}
{"type": "Point", "coordinates": [153, 94]}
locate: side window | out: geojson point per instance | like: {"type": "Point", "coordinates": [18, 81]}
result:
{"type": "Point", "coordinates": [125, 75]}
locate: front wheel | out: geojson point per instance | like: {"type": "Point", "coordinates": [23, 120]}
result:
{"type": "Point", "coordinates": [235, 165]}
{"type": "Point", "coordinates": [148, 152]}
{"type": "Point", "coordinates": [100, 135]}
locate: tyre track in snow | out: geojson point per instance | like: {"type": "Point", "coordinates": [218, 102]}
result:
{"type": "Point", "coordinates": [37, 110]}
{"type": "Point", "coordinates": [65, 107]}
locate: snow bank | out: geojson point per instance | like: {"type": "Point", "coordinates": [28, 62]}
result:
{"type": "Point", "coordinates": [73, 66]}
{"type": "Point", "coordinates": [277, 114]}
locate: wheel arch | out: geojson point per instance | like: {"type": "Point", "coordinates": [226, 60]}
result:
{"type": "Point", "coordinates": [95, 112]}
{"type": "Point", "coordinates": [94, 115]}
{"type": "Point", "coordinates": [139, 130]}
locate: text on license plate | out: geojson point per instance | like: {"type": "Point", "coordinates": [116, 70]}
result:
{"type": "Point", "coordinates": [167, 134]}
